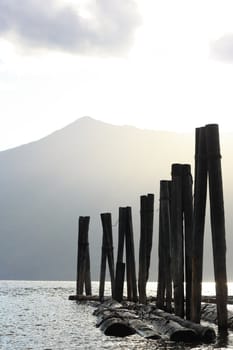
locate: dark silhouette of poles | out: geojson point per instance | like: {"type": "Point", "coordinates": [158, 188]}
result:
{"type": "Point", "coordinates": [208, 161]}
{"type": "Point", "coordinates": [146, 236]}
{"type": "Point", "coordinates": [181, 236]}
{"type": "Point", "coordinates": [88, 289]}
{"type": "Point", "coordinates": [119, 281]}
{"type": "Point", "coordinates": [120, 265]}
{"type": "Point", "coordinates": [142, 252]}
{"type": "Point", "coordinates": [83, 261]}
{"type": "Point", "coordinates": [125, 234]}
{"type": "Point", "coordinates": [200, 192]}
{"type": "Point", "coordinates": [177, 239]}
{"type": "Point", "coordinates": [164, 289]}
{"type": "Point", "coordinates": [217, 221]}
{"type": "Point", "coordinates": [130, 257]}
{"type": "Point", "coordinates": [107, 254]}
{"type": "Point", "coordinates": [150, 222]}
{"type": "Point", "coordinates": [187, 199]}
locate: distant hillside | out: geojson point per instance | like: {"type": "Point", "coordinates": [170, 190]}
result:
{"type": "Point", "coordinates": [87, 168]}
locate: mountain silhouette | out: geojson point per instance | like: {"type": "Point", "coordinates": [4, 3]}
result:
{"type": "Point", "coordinates": [86, 168]}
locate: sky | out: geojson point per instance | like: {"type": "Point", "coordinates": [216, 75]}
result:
{"type": "Point", "coordinates": [153, 64]}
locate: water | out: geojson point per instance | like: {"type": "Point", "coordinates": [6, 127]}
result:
{"type": "Point", "coordinates": [38, 315]}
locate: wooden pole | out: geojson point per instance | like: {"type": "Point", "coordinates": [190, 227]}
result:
{"type": "Point", "coordinates": [150, 221]}
{"type": "Point", "coordinates": [107, 226]}
{"type": "Point", "coordinates": [217, 221]}
{"type": "Point", "coordinates": [161, 252]}
{"type": "Point", "coordinates": [126, 233]}
{"type": "Point", "coordinates": [188, 233]}
{"type": "Point", "coordinates": [164, 290]}
{"type": "Point", "coordinates": [121, 234]}
{"type": "Point", "coordinates": [83, 261]}
{"type": "Point", "coordinates": [120, 266]}
{"type": "Point", "coordinates": [107, 252]}
{"type": "Point", "coordinates": [119, 281]}
{"type": "Point", "coordinates": [130, 256]}
{"type": "Point", "coordinates": [103, 267]}
{"type": "Point", "coordinates": [146, 237]}
{"type": "Point", "coordinates": [88, 288]}
{"type": "Point", "coordinates": [128, 259]}
{"type": "Point", "coordinates": [177, 239]}
{"type": "Point", "coordinates": [200, 191]}
{"type": "Point", "coordinates": [142, 251]}
{"type": "Point", "coordinates": [167, 225]}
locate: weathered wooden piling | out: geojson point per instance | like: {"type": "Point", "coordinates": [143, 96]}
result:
{"type": "Point", "coordinates": [187, 199]}
{"type": "Point", "coordinates": [120, 265]}
{"type": "Point", "coordinates": [208, 161]}
{"type": "Point", "coordinates": [150, 223]}
{"type": "Point", "coordinates": [83, 260]}
{"type": "Point", "coordinates": [121, 234]}
{"type": "Point", "coordinates": [200, 193]}
{"type": "Point", "coordinates": [161, 288]}
{"type": "Point", "coordinates": [181, 236]}
{"type": "Point", "coordinates": [125, 235]}
{"type": "Point", "coordinates": [142, 252]}
{"type": "Point", "coordinates": [181, 225]}
{"type": "Point", "coordinates": [130, 257]}
{"type": "Point", "coordinates": [119, 281]}
{"type": "Point", "coordinates": [177, 239]}
{"type": "Point", "coordinates": [88, 289]}
{"type": "Point", "coordinates": [107, 254]}
{"type": "Point", "coordinates": [164, 289]}
{"type": "Point", "coordinates": [146, 237]}
{"type": "Point", "coordinates": [217, 221]}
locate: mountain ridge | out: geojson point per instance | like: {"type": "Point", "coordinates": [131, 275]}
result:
{"type": "Point", "coordinates": [84, 121]}
{"type": "Point", "coordinates": [86, 168]}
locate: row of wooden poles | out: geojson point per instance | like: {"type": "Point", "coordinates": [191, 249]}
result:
{"type": "Point", "coordinates": [125, 242]}
{"type": "Point", "coordinates": [181, 236]}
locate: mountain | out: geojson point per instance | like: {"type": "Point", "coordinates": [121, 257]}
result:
{"type": "Point", "coordinates": [87, 168]}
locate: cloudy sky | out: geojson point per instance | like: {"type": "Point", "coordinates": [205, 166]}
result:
{"type": "Point", "coordinates": [157, 64]}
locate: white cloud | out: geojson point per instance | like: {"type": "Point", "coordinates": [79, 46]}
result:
{"type": "Point", "coordinates": [44, 24]}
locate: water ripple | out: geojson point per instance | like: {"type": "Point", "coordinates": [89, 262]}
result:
{"type": "Point", "coordinates": [39, 316]}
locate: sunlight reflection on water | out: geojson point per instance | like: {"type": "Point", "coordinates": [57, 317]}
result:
{"type": "Point", "coordinates": [38, 315]}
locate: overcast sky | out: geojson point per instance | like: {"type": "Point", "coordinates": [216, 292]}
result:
{"type": "Point", "coordinates": [163, 65]}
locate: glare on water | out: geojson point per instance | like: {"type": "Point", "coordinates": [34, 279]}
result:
{"type": "Point", "coordinates": [38, 315]}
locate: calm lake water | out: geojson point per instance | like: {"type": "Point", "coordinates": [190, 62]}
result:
{"type": "Point", "coordinates": [38, 315]}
